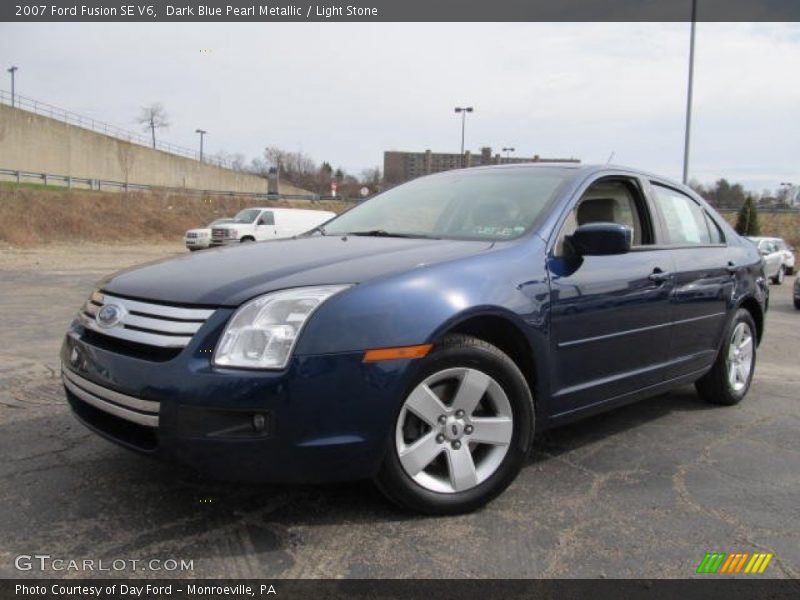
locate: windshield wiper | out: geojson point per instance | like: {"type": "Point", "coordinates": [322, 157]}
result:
{"type": "Point", "coordinates": [319, 228]}
{"type": "Point", "coordinates": [384, 233]}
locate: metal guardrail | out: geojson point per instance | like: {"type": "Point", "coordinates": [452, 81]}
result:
{"type": "Point", "coordinates": [70, 182]}
{"type": "Point", "coordinates": [66, 116]}
{"type": "Point", "coordinates": [762, 209]}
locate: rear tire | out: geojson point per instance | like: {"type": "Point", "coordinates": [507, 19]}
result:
{"type": "Point", "coordinates": [465, 390]}
{"type": "Point", "coordinates": [779, 276]}
{"type": "Point", "coordinates": [729, 379]}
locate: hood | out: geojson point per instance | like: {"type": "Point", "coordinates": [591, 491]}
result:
{"type": "Point", "coordinates": [199, 230]}
{"type": "Point", "coordinates": [229, 276]}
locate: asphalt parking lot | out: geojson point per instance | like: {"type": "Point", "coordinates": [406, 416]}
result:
{"type": "Point", "coordinates": [644, 491]}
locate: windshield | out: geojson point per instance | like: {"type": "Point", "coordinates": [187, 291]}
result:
{"type": "Point", "coordinates": [487, 204]}
{"type": "Point", "coordinates": [248, 215]}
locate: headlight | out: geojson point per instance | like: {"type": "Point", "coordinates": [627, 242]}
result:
{"type": "Point", "coordinates": [262, 332]}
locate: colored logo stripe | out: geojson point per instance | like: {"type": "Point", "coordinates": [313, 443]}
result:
{"type": "Point", "coordinates": [720, 562]}
{"type": "Point", "coordinates": [758, 563]}
{"type": "Point", "coordinates": [711, 562]}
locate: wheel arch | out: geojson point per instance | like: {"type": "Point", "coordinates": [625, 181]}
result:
{"type": "Point", "coordinates": [503, 333]}
{"type": "Point", "coordinates": [752, 306]}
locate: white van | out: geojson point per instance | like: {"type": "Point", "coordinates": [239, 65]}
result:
{"type": "Point", "coordinates": [259, 224]}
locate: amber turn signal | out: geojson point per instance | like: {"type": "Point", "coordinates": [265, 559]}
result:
{"type": "Point", "coordinates": [397, 353]}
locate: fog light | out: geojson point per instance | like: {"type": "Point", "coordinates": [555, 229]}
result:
{"type": "Point", "coordinates": [259, 422]}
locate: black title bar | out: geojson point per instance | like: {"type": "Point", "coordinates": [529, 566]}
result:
{"type": "Point", "coordinates": [383, 589]}
{"type": "Point", "coordinates": [149, 11]}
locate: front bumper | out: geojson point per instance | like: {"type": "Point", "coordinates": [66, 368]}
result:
{"type": "Point", "coordinates": [224, 241]}
{"type": "Point", "coordinates": [196, 242]}
{"type": "Point", "coordinates": [325, 418]}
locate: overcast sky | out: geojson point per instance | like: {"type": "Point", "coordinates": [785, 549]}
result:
{"type": "Point", "coordinates": [346, 92]}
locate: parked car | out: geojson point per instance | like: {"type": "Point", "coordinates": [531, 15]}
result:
{"type": "Point", "coordinates": [424, 337]}
{"type": "Point", "coordinates": [788, 255]}
{"type": "Point", "coordinates": [797, 292]}
{"type": "Point", "coordinates": [778, 257]}
{"type": "Point", "coordinates": [197, 239]}
{"type": "Point", "coordinates": [259, 224]}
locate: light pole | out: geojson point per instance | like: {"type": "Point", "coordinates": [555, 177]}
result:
{"type": "Point", "coordinates": [463, 110]}
{"type": "Point", "coordinates": [202, 134]}
{"type": "Point", "coordinates": [687, 131]}
{"type": "Point", "coordinates": [787, 187]}
{"type": "Point", "coordinates": [508, 151]}
{"type": "Point", "coordinates": [12, 70]}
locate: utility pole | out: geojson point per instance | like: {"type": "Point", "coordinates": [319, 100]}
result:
{"type": "Point", "coordinates": [13, 70]}
{"type": "Point", "coordinates": [508, 151]}
{"type": "Point", "coordinates": [202, 133]}
{"type": "Point", "coordinates": [688, 129]}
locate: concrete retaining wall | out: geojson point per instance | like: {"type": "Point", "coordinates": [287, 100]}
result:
{"type": "Point", "coordinates": [32, 142]}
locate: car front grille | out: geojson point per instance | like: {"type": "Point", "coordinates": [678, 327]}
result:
{"type": "Point", "coordinates": [222, 234]}
{"type": "Point", "coordinates": [142, 323]}
{"type": "Point", "coordinates": [122, 406]}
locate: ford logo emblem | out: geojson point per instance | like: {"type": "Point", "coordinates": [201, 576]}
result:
{"type": "Point", "coordinates": [109, 315]}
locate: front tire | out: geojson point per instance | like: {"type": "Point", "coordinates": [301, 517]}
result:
{"type": "Point", "coordinates": [779, 276]}
{"type": "Point", "coordinates": [729, 379]}
{"type": "Point", "coordinates": [463, 432]}
{"type": "Point", "coordinates": [247, 239]}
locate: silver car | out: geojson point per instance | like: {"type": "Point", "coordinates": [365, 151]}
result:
{"type": "Point", "coordinates": [778, 257]}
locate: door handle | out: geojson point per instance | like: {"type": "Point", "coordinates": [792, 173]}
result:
{"type": "Point", "coordinates": [658, 275]}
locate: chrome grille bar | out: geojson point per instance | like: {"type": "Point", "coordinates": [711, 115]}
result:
{"type": "Point", "coordinates": [136, 410]}
{"type": "Point", "coordinates": [145, 323]}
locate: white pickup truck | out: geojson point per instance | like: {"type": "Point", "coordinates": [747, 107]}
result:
{"type": "Point", "coordinates": [259, 224]}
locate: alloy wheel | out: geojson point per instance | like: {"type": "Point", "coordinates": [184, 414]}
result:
{"type": "Point", "coordinates": [740, 357]}
{"type": "Point", "coordinates": [454, 430]}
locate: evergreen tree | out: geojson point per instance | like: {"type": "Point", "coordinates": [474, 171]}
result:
{"type": "Point", "coordinates": [747, 221]}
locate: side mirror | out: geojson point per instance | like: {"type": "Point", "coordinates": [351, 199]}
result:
{"type": "Point", "coordinates": [601, 239]}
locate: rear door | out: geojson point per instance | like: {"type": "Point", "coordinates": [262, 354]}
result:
{"type": "Point", "coordinates": [703, 278]}
{"type": "Point", "coordinates": [610, 315]}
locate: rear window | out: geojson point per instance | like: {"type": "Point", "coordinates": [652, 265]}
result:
{"type": "Point", "coordinates": [685, 221]}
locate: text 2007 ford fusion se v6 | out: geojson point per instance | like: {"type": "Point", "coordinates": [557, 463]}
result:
{"type": "Point", "coordinates": [422, 337]}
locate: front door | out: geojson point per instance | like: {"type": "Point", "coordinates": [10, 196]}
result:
{"type": "Point", "coordinates": [265, 226]}
{"type": "Point", "coordinates": [610, 315]}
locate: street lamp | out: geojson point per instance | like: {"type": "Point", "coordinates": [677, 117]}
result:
{"type": "Point", "coordinates": [202, 134]}
{"type": "Point", "coordinates": [12, 70]}
{"type": "Point", "coordinates": [787, 185]}
{"type": "Point", "coordinates": [508, 151]}
{"type": "Point", "coordinates": [463, 110]}
{"type": "Point", "coordinates": [689, 97]}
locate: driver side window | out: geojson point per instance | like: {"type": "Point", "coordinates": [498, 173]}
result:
{"type": "Point", "coordinates": [267, 218]}
{"type": "Point", "coordinates": [607, 201]}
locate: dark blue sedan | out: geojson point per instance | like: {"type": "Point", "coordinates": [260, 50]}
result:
{"type": "Point", "coordinates": [423, 337]}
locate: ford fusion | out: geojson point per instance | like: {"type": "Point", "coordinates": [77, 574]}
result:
{"type": "Point", "coordinates": [425, 336]}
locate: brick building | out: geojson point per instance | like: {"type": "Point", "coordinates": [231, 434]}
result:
{"type": "Point", "coordinates": [402, 166]}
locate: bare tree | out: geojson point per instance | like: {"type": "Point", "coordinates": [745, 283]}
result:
{"type": "Point", "coordinates": [126, 158]}
{"type": "Point", "coordinates": [153, 117]}
{"type": "Point", "coordinates": [371, 176]}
